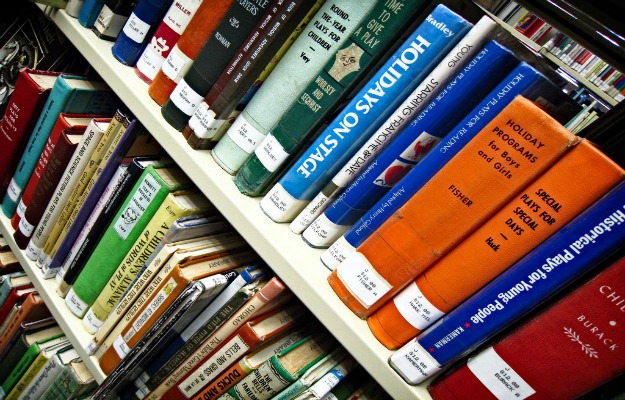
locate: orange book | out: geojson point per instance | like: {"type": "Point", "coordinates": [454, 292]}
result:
{"type": "Point", "coordinates": [573, 183]}
{"type": "Point", "coordinates": [33, 308]}
{"type": "Point", "coordinates": [193, 38]}
{"type": "Point", "coordinates": [510, 152]}
{"type": "Point", "coordinates": [171, 286]}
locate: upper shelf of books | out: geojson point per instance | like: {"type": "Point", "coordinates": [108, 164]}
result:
{"type": "Point", "coordinates": [296, 263]}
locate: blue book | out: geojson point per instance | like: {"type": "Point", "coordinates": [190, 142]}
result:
{"type": "Point", "coordinates": [362, 116]}
{"type": "Point", "coordinates": [523, 80]}
{"type": "Point", "coordinates": [70, 94]}
{"type": "Point", "coordinates": [577, 248]}
{"type": "Point", "coordinates": [138, 30]}
{"type": "Point", "coordinates": [463, 92]}
{"type": "Point", "coordinates": [89, 12]}
{"type": "Point", "coordinates": [177, 340]}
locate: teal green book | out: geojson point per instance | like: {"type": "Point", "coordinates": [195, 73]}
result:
{"type": "Point", "coordinates": [373, 38]}
{"type": "Point", "coordinates": [325, 33]}
{"type": "Point", "coordinates": [70, 94]}
{"type": "Point", "coordinates": [140, 205]}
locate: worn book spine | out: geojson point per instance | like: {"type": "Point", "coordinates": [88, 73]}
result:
{"type": "Point", "coordinates": [245, 70]}
{"type": "Point", "coordinates": [112, 18]}
{"type": "Point", "coordinates": [532, 216]}
{"type": "Point", "coordinates": [432, 84]}
{"type": "Point", "coordinates": [326, 32]}
{"type": "Point", "coordinates": [129, 221]}
{"type": "Point", "coordinates": [181, 56]}
{"type": "Point", "coordinates": [583, 244]}
{"type": "Point", "coordinates": [212, 59]}
{"type": "Point", "coordinates": [32, 308]}
{"type": "Point", "coordinates": [165, 37]}
{"type": "Point", "coordinates": [523, 80]}
{"type": "Point", "coordinates": [73, 7]}
{"type": "Point", "coordinates": [579, 330]}
{"type": "Point", "coordinates": [369, 41]}
{"type": "Point", "coordinates": [463, 92]}
{"type": "Point", "coordinates": [89, 12]}
{"type": "Point", "coordinates": [46, 375]}
{"type": "Point", "coordinates": [25, 103]}
{"type": "Point", "coordinates": [511, 151]}
{"type": "Point", "coordinates": [138, 29]}
{"type": "Point", "coordinates": [374, 102]}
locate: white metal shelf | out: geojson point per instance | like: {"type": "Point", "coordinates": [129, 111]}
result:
{"type": "Point", "coordinates": [297, 264]}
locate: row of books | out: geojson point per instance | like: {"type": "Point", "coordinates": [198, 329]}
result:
{"type": "Point", "coordinates": [581, 60]}
{"type": "Point", "coordinates": [38, 362]}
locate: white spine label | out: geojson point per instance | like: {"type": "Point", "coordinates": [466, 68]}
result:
{"type": "Point", "coordinates": [176, 64]}
{"type": "Point", "coordinates": [76, 306]}
{"type": "Point", "coordinates": [416, 308]}
{"type": "Point", "coordinates": [413, 363]}
{"type": "Point", "coordinates": [309, 213]}
{"type": "Point", "coordinates": [244, 135]}
{"type": "Point", "coordinates": [26, 228]}
{"type": "Point", "coordinates": [362, 280]}
{"type": "Point", "coordinates": [203, 122]}
{"type": "Point", "coordinates": [271, 153]}
{"type": "Point", "coordinates": [279, 205]}
{"type": "Point", "coordinates": [136, 29]}
{"type": "Point", "coordinates": [21, 208]}
{"type": "Point", "coordinates": [121, 348]}
{"type": "Point", "coordinates": [185, 98]}
{"type": "Point", "coordinates": [150, 63]}
{"type": "Point", "coordinates": [337, 253]}
{"type": "Point", "coordinates": [14, 191]}
{"type": "Point", "coordinates": [136, 206]}
{"type": "Point", "coordinates": [498, 377]}
{"type": "Point", "coordinates": [322, 231]}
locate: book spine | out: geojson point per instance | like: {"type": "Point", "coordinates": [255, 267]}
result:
{"type": "Point", "coordinates": [165, 37]}
{"type": "Point", "coordinates": [246, 69]}
{"type": "Point", "coordinates": [33, 307]}
{"type": "Point", "coordinates": [461, 53]}
{"type": "Point", "coordinates": [112, 18]}
{"type": "Point", "coordinates": [21, 368]}
{"type": "Point", "coordinates": [366, 45]}
{"type": "Point", "coordinates": [124, 274]}
{"type": "Point", "coordinates": [305, 58]}
{"type": "Point", "coordinates": [582, 245]}
{"type": "Point", "coordinates": [476, 79]}
{"type": "Point", "coordinates": [62, 192]}
{"type": "Point", "coordinates": [414, 241]}
{"type": "Point", "coordinates": [138, 29]}
{"type": "Point", "coordinates": [129, 221]}
{"type": "Point", "coordinates": [522, 80]}
{"type": "Point", "coordinates": [43, 379]}
{"type": "Point", "coordinates": [212, 59]}
{"type": "Point", "coordinates": [89, 12]}
{"type": "Point", "coordinates": [401, 73]}
{"type": "Point", "coordinates": [35, 144]}
{"type": "Point", "coordinates": [533, 215]}
{"type": "Point", "coordinates": [73, 7]}
{"type": "Point", "coordinates": [19, 387]}
{"type": "Point", "coordinates": [182, 54]}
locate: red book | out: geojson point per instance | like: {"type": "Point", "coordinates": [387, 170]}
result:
{"type": "Point", "coordinates": [31, 92]}
{"type": "Point", "coordinates": [46, 184]}
{"type": "Point", "coordinates": [16, 295]}
{"type": "Point", "coordinates": [63, 122]}
{"type": "Point", "coordinates": [570, 348]}
{"type": "Point", "coordinates": [33, 308]}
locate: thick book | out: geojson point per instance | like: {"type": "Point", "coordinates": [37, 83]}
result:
{"type": "Point", "coordinates": [212, 59]}
{"type": "Point", "coordinates": [138, 29]}
{"type": "Point", "coordinates": [89, 12]}
{"type": "Point", "coordinates": [246, 338]}
{"type": "Point", "coordinates": [469, 45]}
{"type": "Point", "coordinates": [50, 370]}
{"type": "Point", "coordinates": [32, 308]}
{"type": "Point", "coordinates": [181, 56]}
{"type": "Point", "coordinates": [296, 69]}
{"type": "Point", "coordinates": [9, 262]}
{"type": "Point", "coordinates": [581, 246]}
{"type": "Point", "coordinates": [12, 280]}
{"type": "Point", "coordinates": [284, 368]}
{"type": "Point", "coordinates": [513, 149]}
{"type": "Point", "coordinates": [130, 220]}
{"type": "Point", "coordinates": [463, 92]}
{"type": "Point", "coordinates": [523, 80]}
{"type": "Point", "coordinates": [176, 204]}
{"type": "Point", "coordinates": [45, 231]}
{"type": "Point", "coordinates": [369, 108]}
{"type": "Point", "coordinates": [16, 297]}
{"type": "Point", "coordinates": [165, 36]}
{"type": "Point", "coordinates": [352, 62]}
{"type": "Point", "coordinates": [273, 293]}
{"type": "Point", "coordinates": [566, 350]}
{"type": "Point", "coordinates": [74, 381]}
{"type": "Point", "coordinates": [247, 71]}
{"type": "Point", "coordinates": [112, 18]}
{"type": "Point", "coordinates": [70, 94]}
{"type": "Point", "coordinates": [537, 212]}
{"type": "Point", "coordinates": [30, 93]}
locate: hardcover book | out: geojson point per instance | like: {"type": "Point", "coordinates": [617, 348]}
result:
{"type": "Point", "coordinates": [51, 369]}
{"type": "Point", "coordinates": [112, 18]}
{"type": "Point", "coordinates": [89, 12]}
{"type": "Point", "coordinates": [32, 308]}
{"type": "Point", "coordinates": [74, 381]}
{"type": "Point", "coordinates": [582, 245]}
{"type": "Point", "coordinates": [301, 63]}
{"type": "Point", "coordinates": [415, 237]}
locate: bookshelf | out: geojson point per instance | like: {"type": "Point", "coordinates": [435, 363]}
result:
{"type": "Point", "coordinates": [292, 260]}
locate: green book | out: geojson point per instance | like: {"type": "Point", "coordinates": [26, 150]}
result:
{"type": "Point", "coordinates": [374, 37]}
{"type": "Point", "coordinates": [284, 368]}
{"type": "Point", "coordinates": [75, 381]}
{"type": "Point", "coordinates": [327, 31]}
{"type": "Point", "coordinates": [140, 205]}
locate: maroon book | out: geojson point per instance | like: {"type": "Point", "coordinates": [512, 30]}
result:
{"type": "Point", "coordinates": [31, 91]}
{"type": "Point", "coordinates": [570, 348]}
{"type": "Point", "coordinates": [59, 158]}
